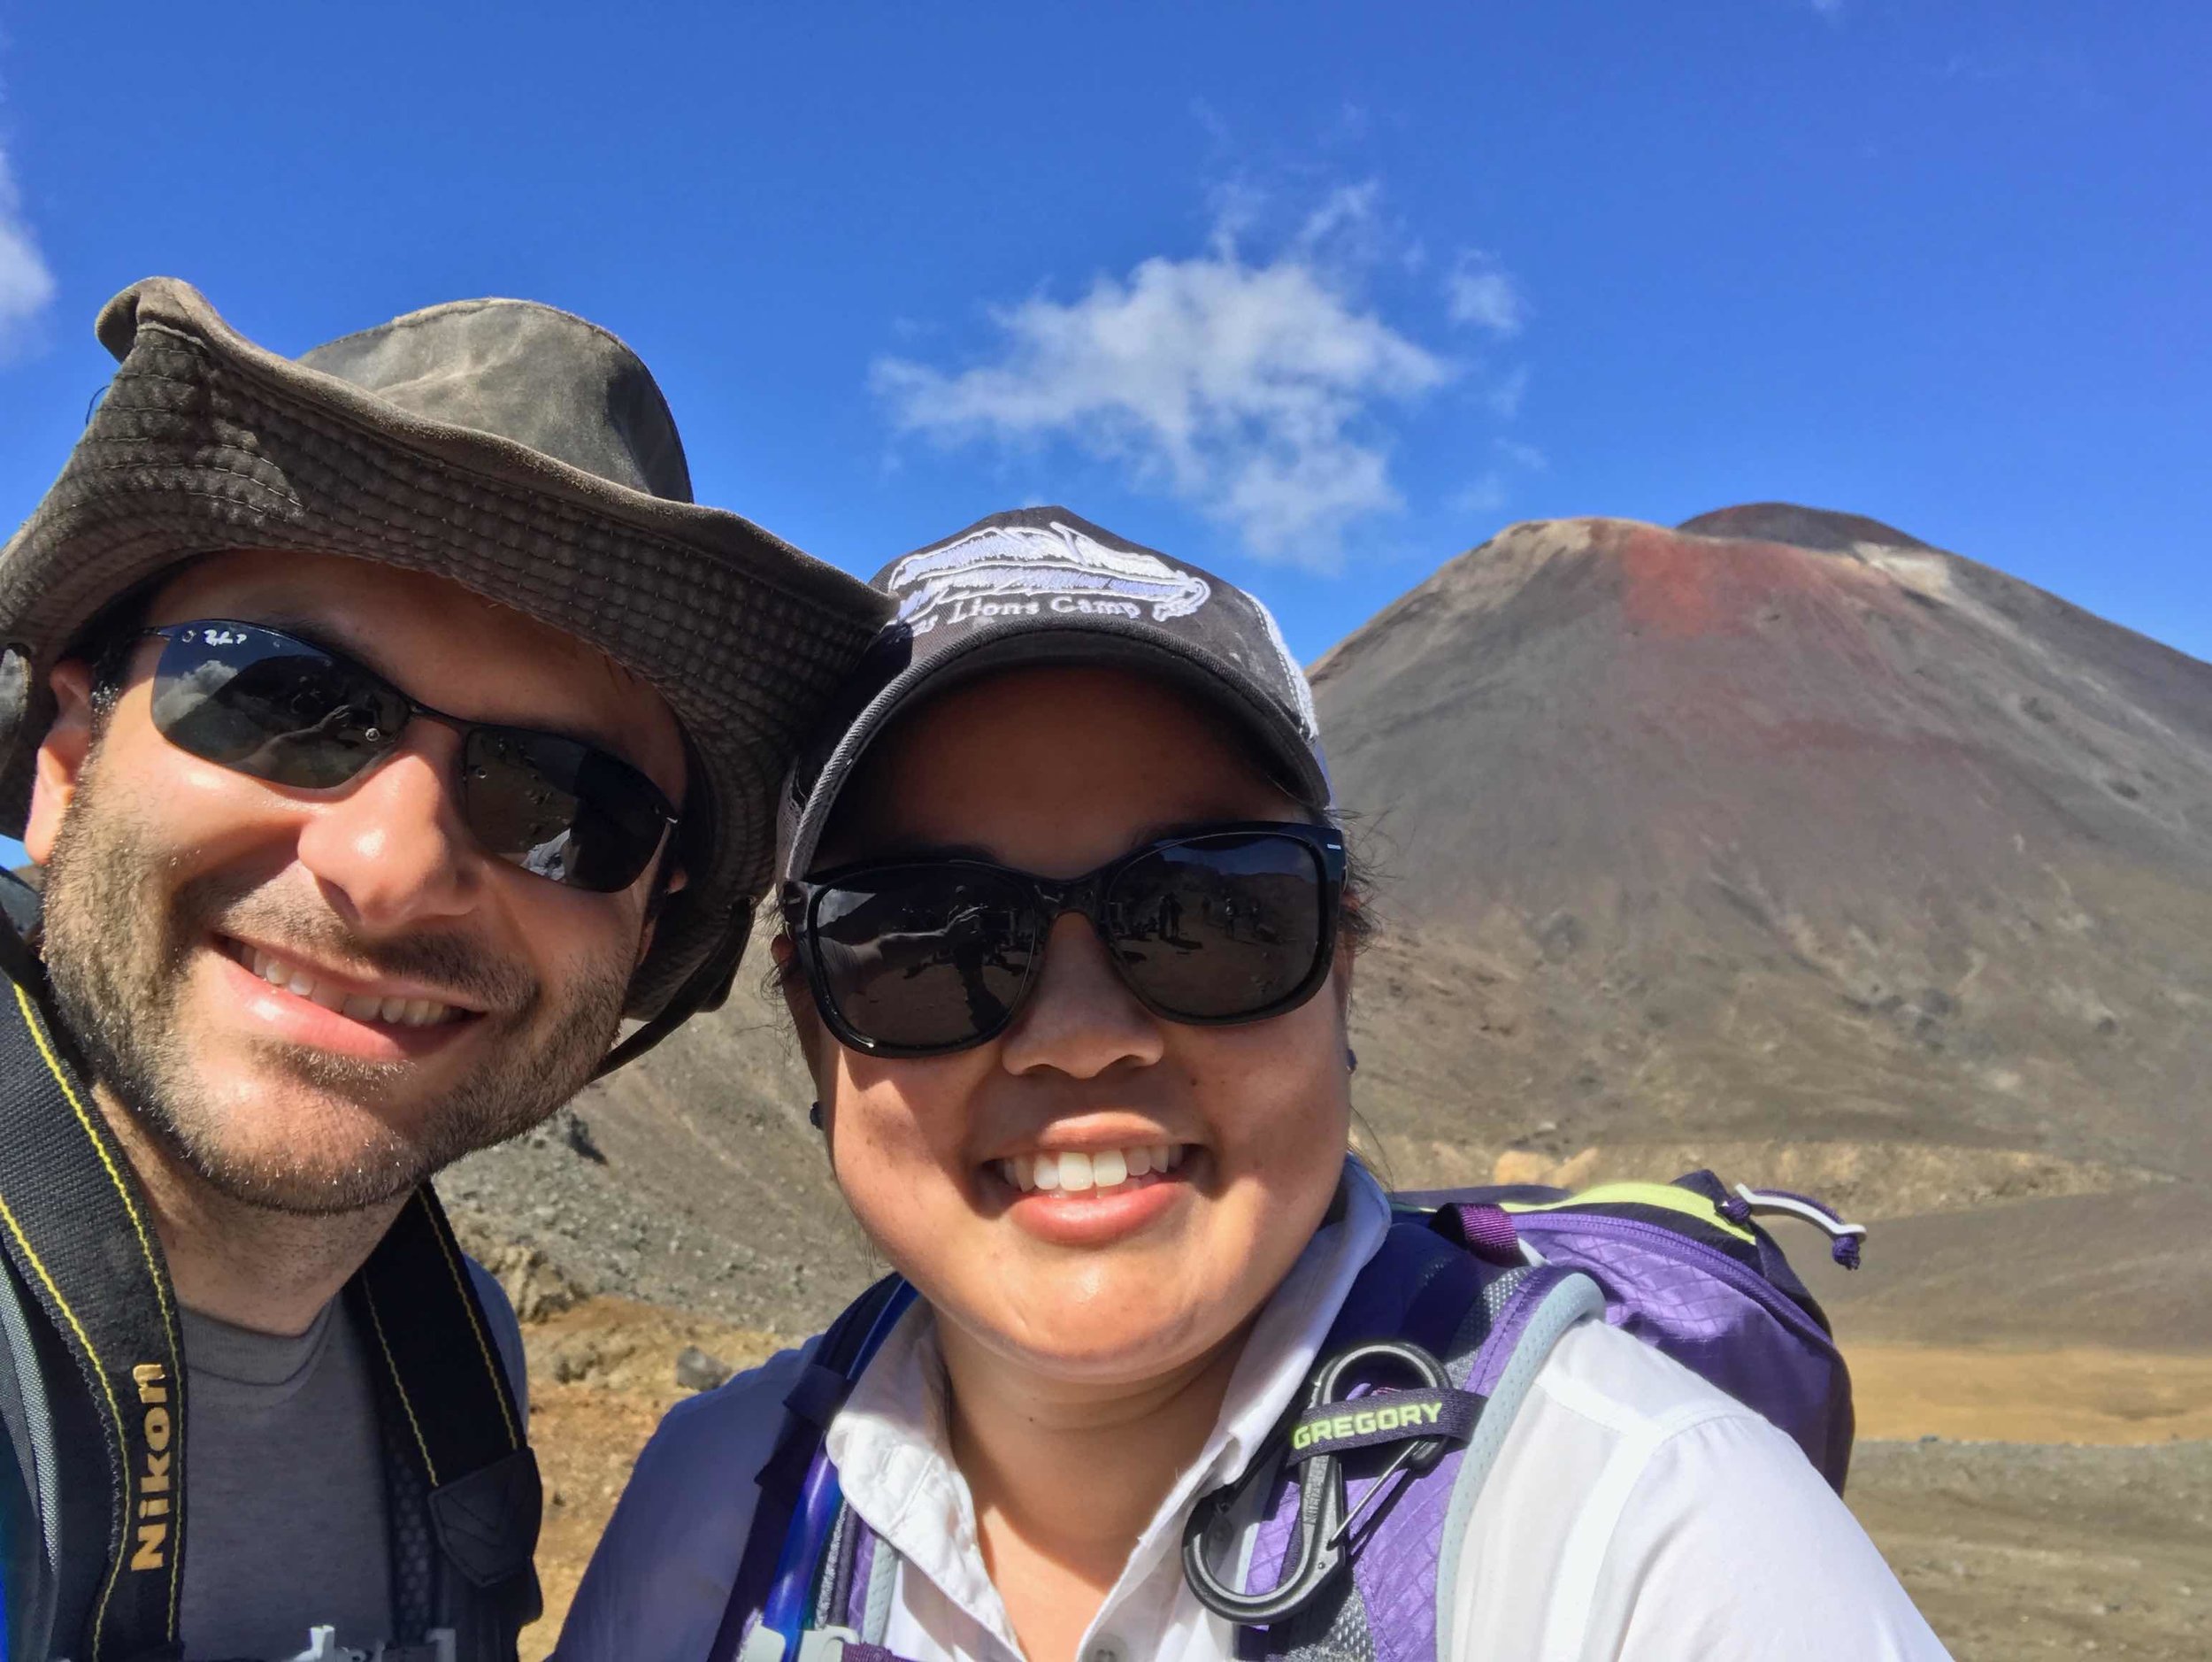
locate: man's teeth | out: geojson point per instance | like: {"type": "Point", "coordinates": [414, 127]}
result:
{"type": "Point", "coordinates": [405, 1012]}
{"type": "Point", "coordinates": [1073, 1174]}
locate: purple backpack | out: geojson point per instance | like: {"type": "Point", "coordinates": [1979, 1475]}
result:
{"type": "Point", "coordinates": [1374, 1472]}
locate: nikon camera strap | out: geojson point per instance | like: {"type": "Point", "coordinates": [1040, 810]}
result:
{"type": "Point", "coordinates": [76, 1231]}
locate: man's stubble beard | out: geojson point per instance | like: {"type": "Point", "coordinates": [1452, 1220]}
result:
{"type": "Point", "coordinates": [118, 943]}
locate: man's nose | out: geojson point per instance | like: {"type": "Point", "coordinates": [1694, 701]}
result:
{"type": "Point", "coordinates": [393, 851]}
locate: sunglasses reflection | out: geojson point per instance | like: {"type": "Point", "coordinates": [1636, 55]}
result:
{"type": "Point", "coordinates": [251, 718]}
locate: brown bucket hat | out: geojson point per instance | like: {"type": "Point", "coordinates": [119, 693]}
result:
{"type": "Point", "coordinates": [512, 448]}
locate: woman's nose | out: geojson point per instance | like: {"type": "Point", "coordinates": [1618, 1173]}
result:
{"type": "Point", "coordinates": [1080, 1018]}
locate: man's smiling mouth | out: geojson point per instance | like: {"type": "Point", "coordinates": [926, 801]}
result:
{"type": "Point", "coordinates": [352, 1000]}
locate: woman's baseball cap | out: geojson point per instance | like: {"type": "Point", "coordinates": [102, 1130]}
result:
{"type": "Point", "coordinates": [1036, 586]}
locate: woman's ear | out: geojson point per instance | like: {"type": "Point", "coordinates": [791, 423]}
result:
{"type": "Point", "coordinates": [61, 755]}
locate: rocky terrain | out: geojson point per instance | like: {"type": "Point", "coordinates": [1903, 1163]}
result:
{"type": "Point", "coordinates": [2014, 1549]}
{"type": "Point", "coordinates": [1859, 841]}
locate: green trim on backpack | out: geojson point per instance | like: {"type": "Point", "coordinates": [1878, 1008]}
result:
{"type": "Point", "coordinates": [1662, 1195]}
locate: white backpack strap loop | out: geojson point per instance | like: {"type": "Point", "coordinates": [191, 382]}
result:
{"type": "Point", "coordinates": [1574, 1298]}
{"type": "Point", "coordinates": [1843, 1238]}
{"type": "Point", "coordinates": [883, 1579]}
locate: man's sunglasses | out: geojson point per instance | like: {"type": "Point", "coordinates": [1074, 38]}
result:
{"type": "Point", "coordinates": [924, 956]}
{"type": "Point", "coordinates": [264, 704]}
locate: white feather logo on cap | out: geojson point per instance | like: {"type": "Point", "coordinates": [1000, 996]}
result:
{"type": "Point", "coordinates": [1020, 570]}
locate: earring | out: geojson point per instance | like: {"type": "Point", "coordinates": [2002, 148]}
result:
{"type": "Point", "coordinates": [814, 1115]}
{"type": "Point", "coordinates": [1351, 1060]}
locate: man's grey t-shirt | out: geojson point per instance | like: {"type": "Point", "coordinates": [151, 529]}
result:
{"type": "Point", "coordinates": [285, 1463]}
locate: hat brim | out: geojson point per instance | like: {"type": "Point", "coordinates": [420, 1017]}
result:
{"type": "Point", "coordinates": [206, 443]}
{"type": "Point", "coordinates": [1076, 640]}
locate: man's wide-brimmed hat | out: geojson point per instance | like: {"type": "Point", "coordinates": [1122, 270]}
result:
{"type": "Point", "coordinates": [510, 447]}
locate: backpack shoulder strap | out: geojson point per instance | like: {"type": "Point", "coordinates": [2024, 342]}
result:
{"type": "Point", "coordinates": [1501, 1369]}
{"type": "Point", "coordinates": [80, 1240]}
{"type": "Point", "coordinates": [455, 1438]}
{"type": "Point", "coordinates": [798, 1501]}
{"type": "Point", "coordinates": [1491, 1323]}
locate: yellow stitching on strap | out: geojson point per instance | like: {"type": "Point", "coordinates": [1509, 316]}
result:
{"type": "Point", "coordinates": [146, 1250]}
{"type": "Point", "coordinates": [1662, 1195]}
{"type": "Point", "coordinates": [468, 1303]}
{"type": "Point", "coordinates": [122, 1190]}
{"type": "Point", "coordinates": [115, 1411]}
{"type": "Point", "coordinates": [398, 1384]}
{"type": "Point", "coordinates": [160, 1288]}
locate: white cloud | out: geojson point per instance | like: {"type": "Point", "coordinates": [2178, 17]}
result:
{"type": "Point", "coordinates": [1348, 212]}
{"type": "Point", "coordinates": [1350, 126]}
{"type": "Point", "coordinates": [1506, 393]}
{"type": "Point", "coordinates": [1486, 495]}
{"type": "Point", "coordinates": [1250, 390]}
{"type": "Point", "coordinates": [1479, 292]}
{"type": "Point", "coordinates": [26, 285]}
{"type": "Point", "coordinates": [1492, 488]}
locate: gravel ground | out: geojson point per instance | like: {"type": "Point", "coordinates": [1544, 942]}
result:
{"type": "Point", "coordinates": [2019, 1549]}
{"type": "Point", "coordinates": [770, 1248]}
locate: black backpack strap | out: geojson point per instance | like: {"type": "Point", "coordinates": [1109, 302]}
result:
{"type": "Point", "coordinates": [453, 1423]}
{"type": "Point", "coordinates": [77, 1232]}
{"type": "Point", "coordinates": [808, 1410]}
{"type": "Point", "coordinates": [23, 904]}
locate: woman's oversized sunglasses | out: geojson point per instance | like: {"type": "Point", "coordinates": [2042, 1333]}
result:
{"type": "Point", "coordinates": [262, 703]}
{"type": "Point", "coordinates": [924, 957]}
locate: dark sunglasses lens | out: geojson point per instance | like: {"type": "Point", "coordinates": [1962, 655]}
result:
{"type": "Point", "coordinates": [1220, 927]}
{"type": "Point", "coordinates": [923, 958]}
{"type": "Point", "coordinates": [559, 808]}
{"type": "Point", "coordinates": [271, 707]}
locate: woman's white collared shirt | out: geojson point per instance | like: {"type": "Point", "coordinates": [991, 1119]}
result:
{"type": "Point", "coordinates": [1636, 1514]}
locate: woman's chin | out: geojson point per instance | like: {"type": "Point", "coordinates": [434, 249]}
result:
{"type": "Point", "coordinates": [1096, 1337]}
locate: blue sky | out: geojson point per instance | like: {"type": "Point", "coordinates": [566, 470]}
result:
{"type": "Point", "coordinates": [1315, 296]}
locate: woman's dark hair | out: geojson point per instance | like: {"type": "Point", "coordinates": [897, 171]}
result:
{"type": "Point", "coordinates": [1355, 920]}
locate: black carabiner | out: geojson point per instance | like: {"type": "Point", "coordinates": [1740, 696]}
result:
{"type": "Point", "coordinates": [1318, 1545]}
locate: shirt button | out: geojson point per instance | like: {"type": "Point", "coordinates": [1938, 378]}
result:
{"type": "Point", "coordinates": [1106, 1648]}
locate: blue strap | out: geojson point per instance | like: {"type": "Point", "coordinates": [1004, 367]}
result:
{"type": "Point", "coordinates": [818, 1395]}
{"type": "Point", "coordinates": [799, 1494]}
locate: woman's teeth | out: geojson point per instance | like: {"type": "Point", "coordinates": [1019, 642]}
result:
{"type": "Point", "coordinates": [405, 1012]}
{"type": "Point", "coordinates": [1073, 1174]}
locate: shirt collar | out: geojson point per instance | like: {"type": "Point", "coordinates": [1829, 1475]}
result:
{"type": "Point", "coordinates": [893, 1453]}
